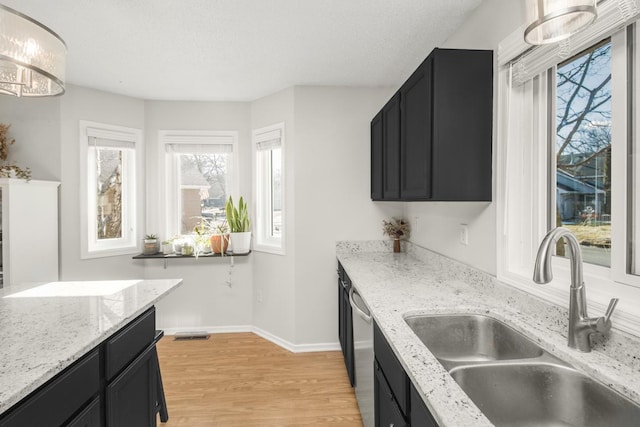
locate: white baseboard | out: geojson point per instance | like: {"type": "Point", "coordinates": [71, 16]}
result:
{"type": "Point", "coordinates": [294, 348]}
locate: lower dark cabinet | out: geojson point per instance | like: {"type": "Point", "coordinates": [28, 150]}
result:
{"type": "Point", "coordinates": [131, 396]}
{"type": "Point", "coordinates": [397, 402]}
{"type": "Point", "coordinates": [345, 323]}
{"type": "Point", "coordinates": [114, 385]}
{"type": "Point", "coordinates": [420, 415]}
{"type": "Point", "coordinates": [89, 417]}
{"type": "Point", "coordinates": [388, 412]}
{"type": "Point", "coordinates": [57, 401]}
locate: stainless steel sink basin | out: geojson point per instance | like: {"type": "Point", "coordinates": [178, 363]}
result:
{"type": "Point", "coordinates": [471, 338]}
{"type": "Point", "coordinates": [544, 395]}
{"type": "Point", "coordinates": [515, 382]}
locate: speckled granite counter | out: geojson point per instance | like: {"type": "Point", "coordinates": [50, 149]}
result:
{"type": "Point", "coordinates": [422, 282]}
{"type": "Point", "coordinates": [44, 328]}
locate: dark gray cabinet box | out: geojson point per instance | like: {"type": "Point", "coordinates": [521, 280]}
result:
{"type": "Point", "coordinates": [444, 123]}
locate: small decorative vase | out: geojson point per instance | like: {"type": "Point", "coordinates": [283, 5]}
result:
{"type": "Point", "coordinates": [396, 246]}
{"type": "Point", "coordinates": [219, 243]}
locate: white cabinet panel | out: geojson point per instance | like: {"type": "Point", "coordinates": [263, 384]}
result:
{"type": "Point", "coordinates": [29, 230]}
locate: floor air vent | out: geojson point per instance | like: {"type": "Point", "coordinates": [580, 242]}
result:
{"type": "Point", "coordinates": [191, 336]}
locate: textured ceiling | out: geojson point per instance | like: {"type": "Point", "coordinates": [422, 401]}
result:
{"type": "Point", "coordinates": [243, 49]}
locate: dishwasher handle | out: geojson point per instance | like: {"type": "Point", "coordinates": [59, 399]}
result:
{"type": "Point", "coordinates": [366, 317]}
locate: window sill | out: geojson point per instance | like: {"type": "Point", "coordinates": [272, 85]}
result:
{"type": "Point", "coordinates": [626, 316]}
{"type": "Point", "coordinates": [167, 257]}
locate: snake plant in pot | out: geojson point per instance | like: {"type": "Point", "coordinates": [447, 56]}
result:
{"type": "Point", "coordinates": [239, 226]}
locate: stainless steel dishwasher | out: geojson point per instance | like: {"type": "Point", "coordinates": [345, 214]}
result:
{"type": "Point", "coordinates": [363, 355]}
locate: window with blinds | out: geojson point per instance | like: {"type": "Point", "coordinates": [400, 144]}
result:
{"type": "Point", "coordinates": [567, 156]}
{"type": "Point", "coordinates": [109, 189]}
{"type": "Point", "coordinates": [269, 172]}
{"type": "Point", "coordinates": [201, 175]}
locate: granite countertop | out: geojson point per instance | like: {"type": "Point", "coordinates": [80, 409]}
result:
{"type": "Point", "coordinates": [46, 327]}
{"type": "Point", "coordinates": [422, 282]}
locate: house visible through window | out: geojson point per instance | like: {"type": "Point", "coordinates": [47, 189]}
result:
{"type": "Point", "coordinates": [269, 160]}
{"type": "Point", "coordinates": [109, 189]}
{"type": "Point", "coordinates": [583, 151]}
{"type": "Point", "coordinates": [201, 175]}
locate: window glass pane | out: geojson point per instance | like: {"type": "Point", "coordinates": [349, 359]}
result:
{"type": "Point", "coordinates": [583, 152]}
{"type": "Point", "coordinates": [276, 193]}
{"type": "Point", "coordinates": [108, 193]}
{"type": "Point", "coordinates": [204, 181]}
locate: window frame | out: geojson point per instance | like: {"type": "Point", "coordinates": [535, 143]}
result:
{"type": "Point", "coordinates": [264, 241]}
{"type": "Point", "coordinates": [129, 243]}
{"type": "Point", "coordinates": [172, 211]}
{"type": "Point", "coordinates": [602, 283]}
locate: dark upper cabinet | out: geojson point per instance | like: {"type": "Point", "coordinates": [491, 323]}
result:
{"type": "Point", "coordinates": [391, 149]}
{"type": "Point", "coordinates": [445, 130]}
{"type": "Point", "coordinates": [416, 124]}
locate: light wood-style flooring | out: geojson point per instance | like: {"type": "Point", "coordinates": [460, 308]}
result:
{"type": "Point", "coordinates": [242, 379]}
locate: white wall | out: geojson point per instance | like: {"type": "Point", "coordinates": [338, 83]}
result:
{"type": "Point", "coordinates": [80, 103]}
{"type": "Point", "coordinates": [274, 282]}
{"type": "Point", "coordinates": [35, 125]}
{"type": "Point", "coordinates": [204, 301]}
{"type": "Point", "coordinates": [438, 224]}
{"type": "Point", "coordinates": [333, 196]}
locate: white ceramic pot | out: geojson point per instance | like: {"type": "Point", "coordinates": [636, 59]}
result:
{"type": "Point", "coordinates": [241, 242]}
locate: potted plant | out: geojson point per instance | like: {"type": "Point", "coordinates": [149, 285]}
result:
{"type": "Point", "coordinates": [151, 246]}
{"type": "Point", "coordinates": [10, 170]}
{"type": "Point", "coordinates": [202, 237]}
{"type": "Point", "coordinates": [220, 239]}
{"type": "Point", "coordinates": [396, 228]}
{"type": "Point", "coordinates": [240, 225]}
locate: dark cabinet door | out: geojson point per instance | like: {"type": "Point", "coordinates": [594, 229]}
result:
{"type": "Point", "coordinates": [391, 149]}
{"type": "Point", "coordinates": [348, 332]}
{"type": "Point", "coordinates": [387, 412]}
{"type": "Point", "coordinates": [416, 132]}
{"type": "Point", "coordinates": [89, 417]}
{"type": "Point", "coordinates": [462, 124]}
{"type": "Point", "coordinates": [376, 157]}
{"type": "Point", "coordinates": [131, 397]}
{"type": "Point", "coordinates": [420, 415]}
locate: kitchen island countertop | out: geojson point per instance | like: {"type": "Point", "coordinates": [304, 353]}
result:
{"type": "Point", "coordinates": [45, 327]}
{"type": "Point", "coordinates": [422, 282]}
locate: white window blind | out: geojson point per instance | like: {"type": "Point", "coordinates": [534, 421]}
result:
{"type": "Point", "coordinates": [208, 148]}
{"type": "Point", "coordinates": [197, 142]}
{"type": "Point", "coordinates": [110, 143]}
{"type": "Point", "coordinates": [269, 140]}
{"type": "Point", "coordinates": [529, 62]}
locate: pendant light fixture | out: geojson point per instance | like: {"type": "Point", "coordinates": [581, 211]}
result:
{"type": "Point", "coordinates": [32, 57]}
{"type": "Point", "coordinates": [551, 21]}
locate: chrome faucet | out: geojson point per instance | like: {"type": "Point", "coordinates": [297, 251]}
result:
{"type": "Point", "coordinates": [581, 326]}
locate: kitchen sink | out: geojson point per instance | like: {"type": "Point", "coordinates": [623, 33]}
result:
{"type": "Point", "coordinates": [515, 382]}
{"type": "Point", "coordinates": [544, 395]}
{"type": "Point", "coordinates": [470, 338]}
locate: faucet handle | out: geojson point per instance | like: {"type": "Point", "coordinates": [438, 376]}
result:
{"type": "Point", "coordinates": [610, 309]}
{"type": "Point", "coordinates": [603, 324]}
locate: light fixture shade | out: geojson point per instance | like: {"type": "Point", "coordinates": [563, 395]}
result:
{"type": "Point", "coordinates": [32, 57]}
{"type": "Point", "coordinates": [551, 21]}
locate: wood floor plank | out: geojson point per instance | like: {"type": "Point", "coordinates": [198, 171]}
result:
{"type": "Point", "coordinates": [244, 380]}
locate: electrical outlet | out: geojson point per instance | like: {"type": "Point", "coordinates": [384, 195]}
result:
{"type": "Point", "coordinates": [464, 234]}
{"type": "Point", "coordinates": [259, 296]}
{"type": "Point", "coordinates": [415, 224]}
